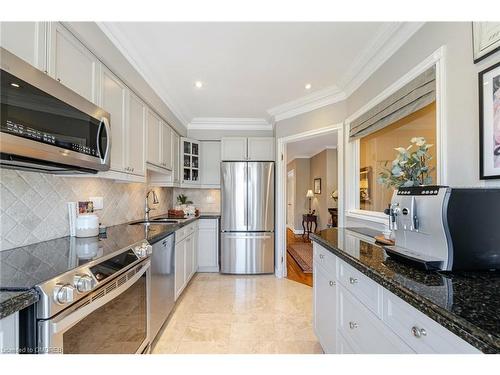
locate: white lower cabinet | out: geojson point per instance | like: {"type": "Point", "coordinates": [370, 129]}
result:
{"type": "Point", "coordinates": [325, 308]}
{"type": "Point", "coordinates": [185, 256]}
{"type": "Point", "coordinates": [208, 245]}
{"type": "Point", "coordinates": [354, 314]}
{"type": "Point", "coordinates": [364, 332]}
{"type": "Point", "coordinates": [9, 336]}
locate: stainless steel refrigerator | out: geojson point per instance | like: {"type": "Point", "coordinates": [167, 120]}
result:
{"type": "Point", "coordinates": [247, 223]}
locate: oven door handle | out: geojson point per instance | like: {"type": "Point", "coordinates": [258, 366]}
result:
{"type": "Point", "coordinates": [62, 323]}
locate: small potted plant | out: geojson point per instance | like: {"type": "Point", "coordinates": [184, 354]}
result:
{"type": "Point", "coordinates": [410, 168]}
{"type": "Point", "coordinates": [184, 204]}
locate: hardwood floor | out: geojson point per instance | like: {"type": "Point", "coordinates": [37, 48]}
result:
{"type": "Point", "coordinates": [294, 272]}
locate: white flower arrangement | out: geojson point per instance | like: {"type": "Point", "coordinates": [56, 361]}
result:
{"type": "Point", "coordinates": [410, 168]}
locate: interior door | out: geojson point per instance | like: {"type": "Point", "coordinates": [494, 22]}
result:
{"type": "Point", "coordinates": [290, 196]}
{"type": "Point", "coordinates": [260, 196]}
{"type": "Point", "coordinates": [234, 196]}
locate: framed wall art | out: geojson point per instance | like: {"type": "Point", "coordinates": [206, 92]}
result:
{"type": "Point", "coordinates": [489, 122]}
{"type": "Point", "coordinates": [485, 39]}
{"type": "Point", "coordinates": [317, 186]}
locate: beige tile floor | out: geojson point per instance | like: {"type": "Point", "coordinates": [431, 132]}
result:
{"type": "Point", "coordinates": [241, 315]}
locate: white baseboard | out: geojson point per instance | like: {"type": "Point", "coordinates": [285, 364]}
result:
{"type": "Point", "coordinates": [295, 231]}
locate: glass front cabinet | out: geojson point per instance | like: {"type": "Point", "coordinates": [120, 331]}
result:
{"type": "Point", "coordinates": [190, 161]}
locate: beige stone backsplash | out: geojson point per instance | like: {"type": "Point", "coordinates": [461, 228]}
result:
{"type": "Point", "coordinates": [33, 205]}
{"type": "Point", "coordinates": [207, 200]}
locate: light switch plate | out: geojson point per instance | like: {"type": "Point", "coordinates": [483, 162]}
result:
{"type": "Point", "coordinates": [98, 202]}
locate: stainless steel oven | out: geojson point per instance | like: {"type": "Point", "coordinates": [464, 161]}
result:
{"type": "Point", "coordinates": [113, 319]}
{"type": "Point", "coordinates": [45, 126]}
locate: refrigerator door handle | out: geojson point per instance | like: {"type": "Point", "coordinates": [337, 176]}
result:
{"type": "Point", "coordinates": [245, 210]}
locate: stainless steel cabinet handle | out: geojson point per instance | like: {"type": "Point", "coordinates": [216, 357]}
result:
{"type": "Point", "coordinates": [418, 332]}
{"type": "Point", "coordinates": [332, 283]}
{"type": "Point", "coordinates": [353, 325]}
{"type": "Point", "coordinates": [321, 256]}
{"type": "Point", "coordinates": [352, 280]}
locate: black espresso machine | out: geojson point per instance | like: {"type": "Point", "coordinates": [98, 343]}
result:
{"type": "Point", "coordinates": [448, 229]}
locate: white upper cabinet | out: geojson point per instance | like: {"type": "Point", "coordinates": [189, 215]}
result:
{"type": "Point", "coordinates": [190, 161]}
{"type": "Point", "coordinates": [26, 40]}
{"type": "Point", "coordinates": [113, 96]}
{"type": "Point", "coordinates": [260, 149]}
{"type": "Point", "coordinates": [234, 148]}
{"type": "Point", "coordinates": [166, 146]}
{"type": "Point", "coordinates": [71, 63]}
{"type": "Point", "coordinates": [175, 157]}
{"type": "Point", "coordinates": [154, 139]}
{"type": "Point", "coordinates": [210, 164]}
{"type": "Point", "coordinates": [251, 149]}
{"type": "Point", "coordinates": [136, 129]}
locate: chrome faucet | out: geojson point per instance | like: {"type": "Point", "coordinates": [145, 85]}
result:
{"type": "Point", "coordinates": [146, 204]}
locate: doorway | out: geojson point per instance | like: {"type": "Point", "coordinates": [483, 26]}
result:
{"type": "Point", "coordinates": [290, 231]}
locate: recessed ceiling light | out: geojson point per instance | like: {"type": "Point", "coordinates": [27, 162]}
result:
{"type": "Point", "coordinates": [308, 86]}
{"type": "Point", "coordinates": [198, 84]}
{"type": "Point", "coordinates": [15, 85]}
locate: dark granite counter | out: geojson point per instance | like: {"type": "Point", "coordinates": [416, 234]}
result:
{"type": "Point", "coordinates": [466, 303]}
{"type": "Point", "coordinates": [24, 267]}
{"type": "Point", "coordinates": [14, 301]}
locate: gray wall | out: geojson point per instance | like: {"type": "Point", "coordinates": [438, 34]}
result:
{"type": "Point", "coordinates": [462, 108]}
{"type": "Point", "coordinates": [329, 115]}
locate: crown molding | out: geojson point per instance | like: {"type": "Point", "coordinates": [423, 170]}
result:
{"type": "Point", "coordinates": [118, 39]}
{"type": "Point", "coordinates": [229, 123]}
{"type": "Point", "coordinates": [308, 103]}
{"type": "Point", "coordinates": [386, 43]}
{"type": "Point", "coordinates": [383, 46]}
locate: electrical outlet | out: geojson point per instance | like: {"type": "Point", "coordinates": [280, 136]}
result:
{"type": "Point", "coordinates": [98, 202]}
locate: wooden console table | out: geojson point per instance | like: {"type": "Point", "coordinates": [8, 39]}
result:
{"type": "Point", "coordinates": [309, 220]}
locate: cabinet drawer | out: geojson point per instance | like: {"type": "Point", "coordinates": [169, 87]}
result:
{"type": "Point", "coordinates": [361, 286]}
{"type": "Point", "coordinates": [364, 332]}
{"type": "Point", "coordinates": [180, 234]}
{"type": "Point", "coordinates": [420, 332]}
{"type": "Point", "coordinates": [325, 258]}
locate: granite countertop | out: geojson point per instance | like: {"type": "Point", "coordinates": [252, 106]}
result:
{"type": "Point", "coordinates": [14, 301]}
{"type": "Point", "coordinates": [24, 267]}
{"type": "Point", "coordinates": [466, 303]}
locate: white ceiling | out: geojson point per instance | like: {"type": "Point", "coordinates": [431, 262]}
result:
{"type": "Point", "coordinates": [248, 68]}
{"type": "Point", "coordinates": [309, 147]}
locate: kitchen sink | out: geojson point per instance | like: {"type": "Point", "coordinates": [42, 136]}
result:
{"type": "Point", "coordinates": [155, 221]}
{"type": "Point", "coordinates": [165, 220]}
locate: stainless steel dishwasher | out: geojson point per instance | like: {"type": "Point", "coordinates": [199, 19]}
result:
{"type": "Point", "coordinates": [162, 282]}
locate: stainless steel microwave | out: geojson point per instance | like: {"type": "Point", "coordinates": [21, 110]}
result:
{"type": "Point", "coordinates": [45, 126]}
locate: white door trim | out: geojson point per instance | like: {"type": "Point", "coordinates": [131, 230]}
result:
{"type": "Point", "coordinates": [281, 179]}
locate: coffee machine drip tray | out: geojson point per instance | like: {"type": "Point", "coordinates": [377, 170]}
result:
{"type": "Point", "coordinates": [416, 259]}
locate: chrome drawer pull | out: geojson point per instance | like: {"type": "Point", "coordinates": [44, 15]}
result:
{"type": "Point", "coordinates": [332, 283]}
{"type": "Point", "coordinates": [352, 280]}
{"type": "Point", "coordinates": [353, 325]}
{"type": "Point", "coordinates": [321, 256]}
{"type": "Point", "coordinates": [418, 332]}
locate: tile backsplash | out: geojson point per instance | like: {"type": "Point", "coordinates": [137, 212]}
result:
{"type": "Point", "coordinates": [33, 205]}
{"type": "Point", "coordinates": [207, 200]}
